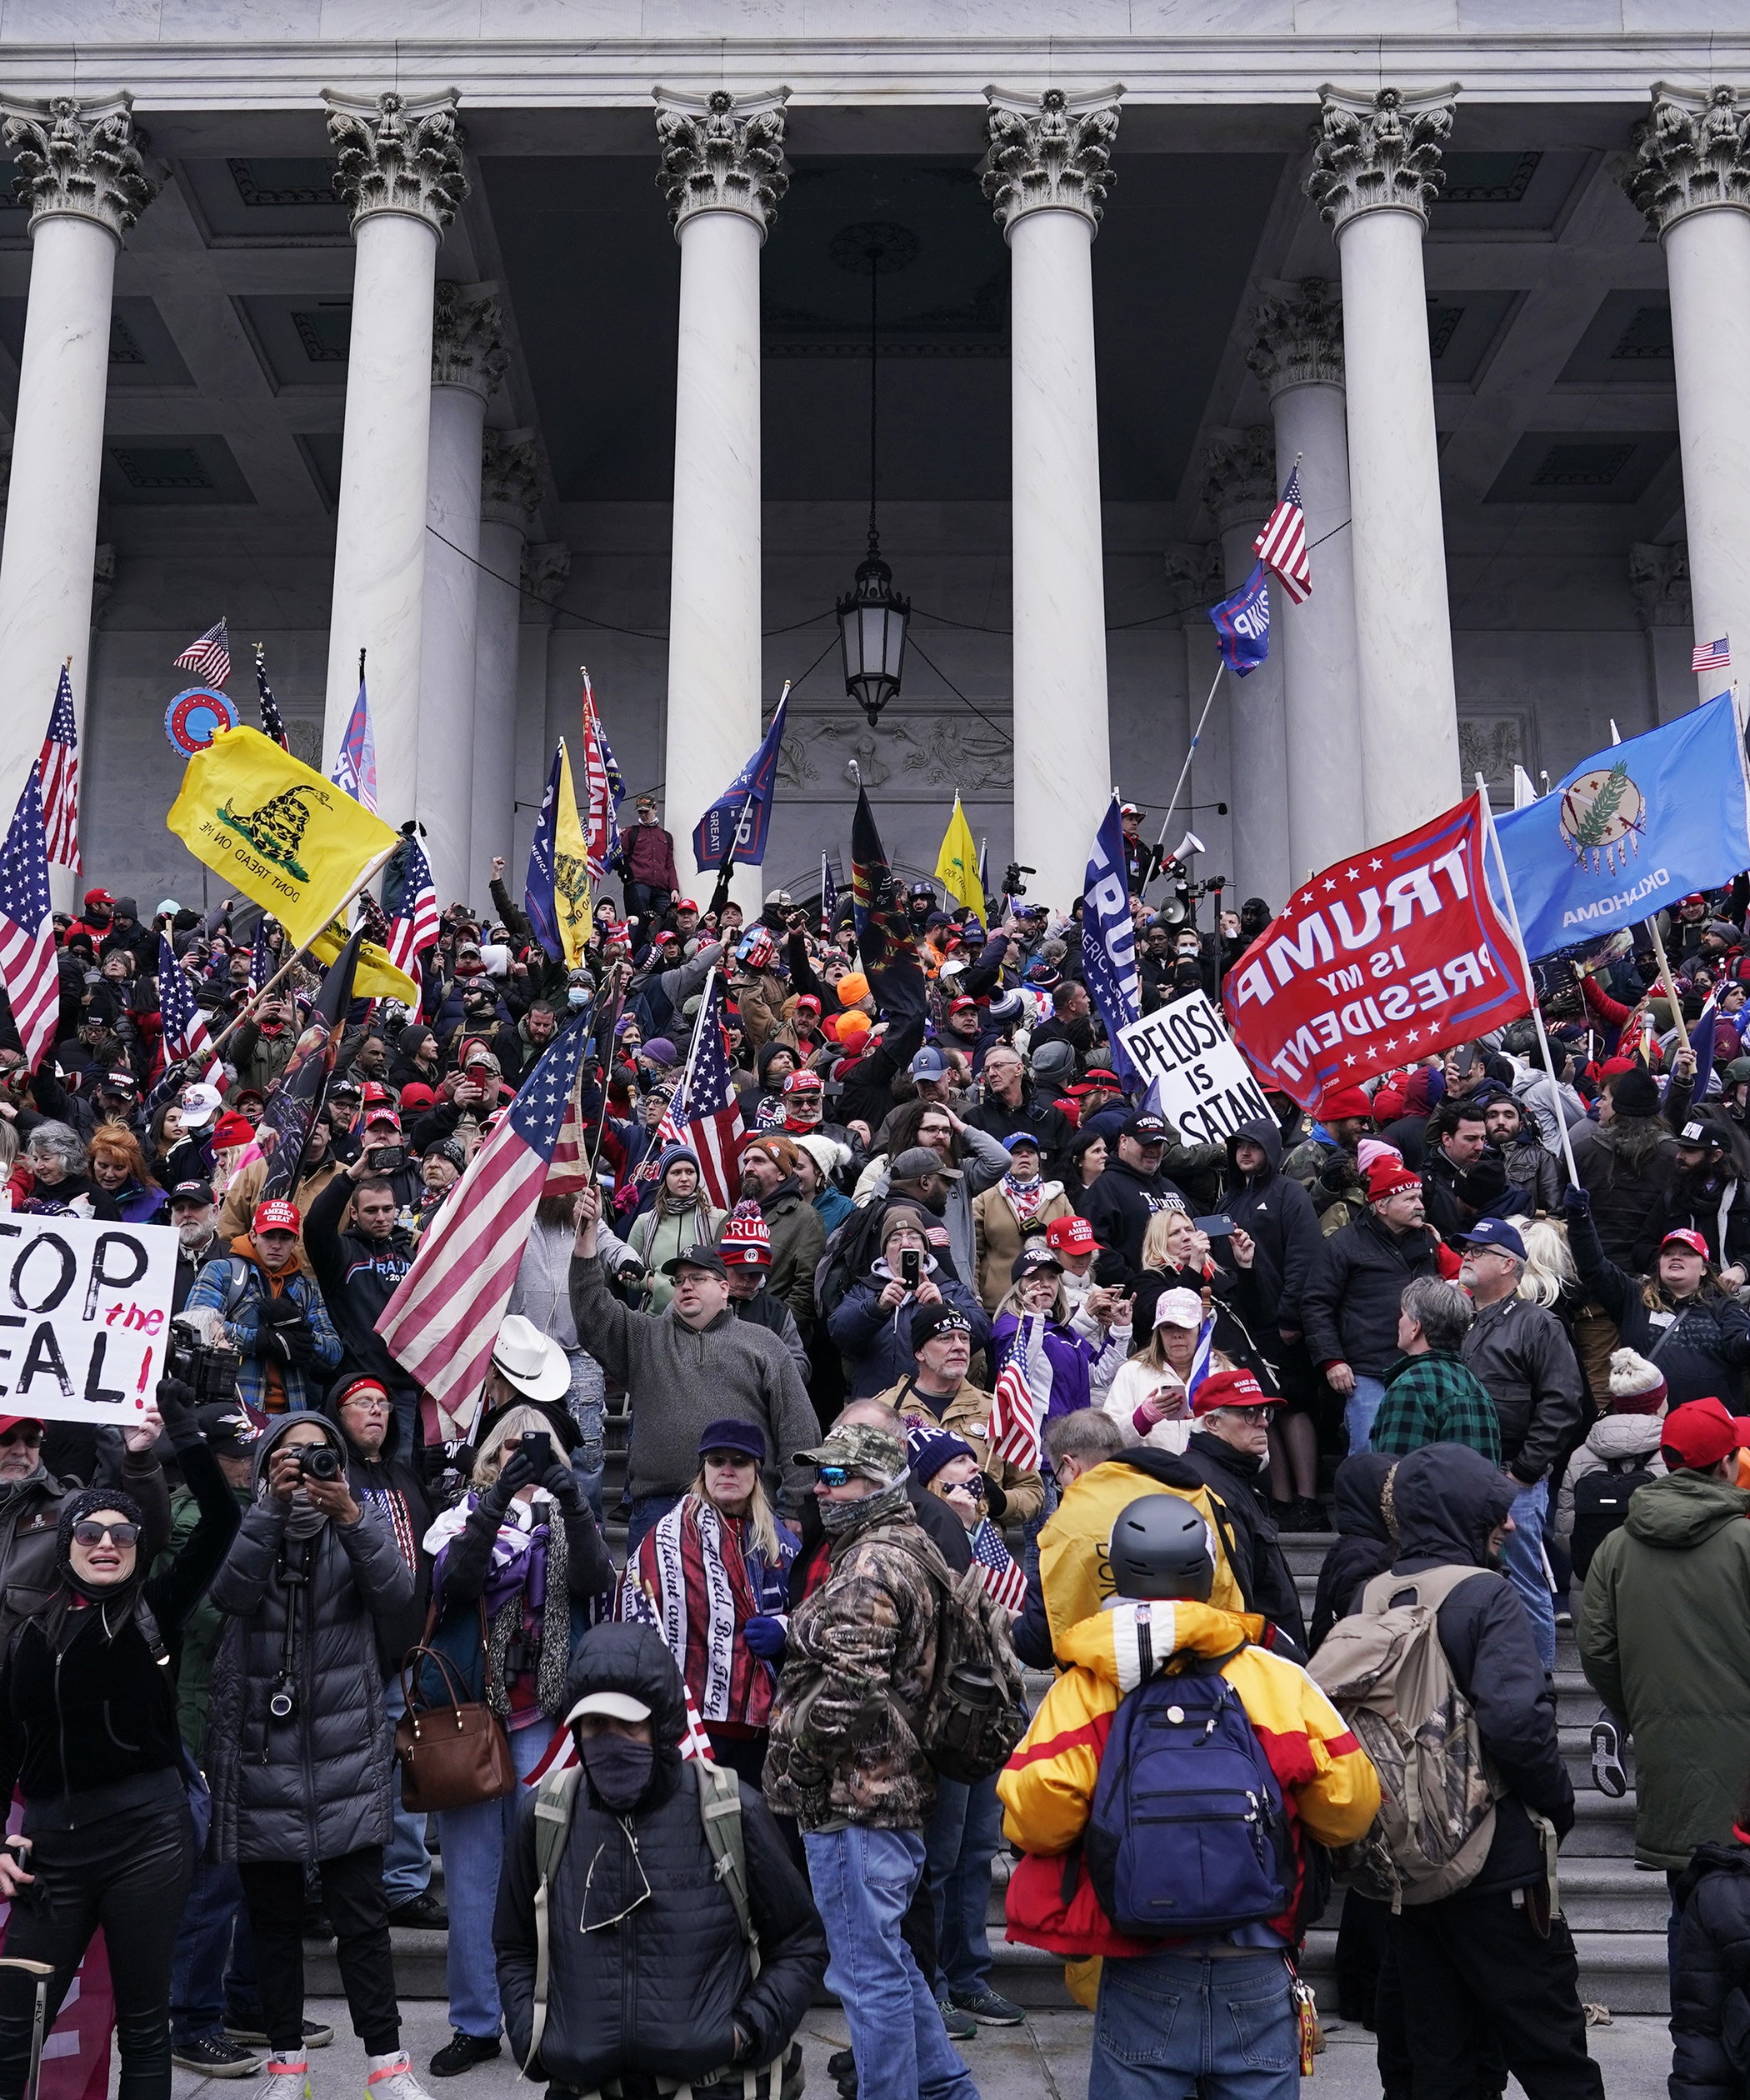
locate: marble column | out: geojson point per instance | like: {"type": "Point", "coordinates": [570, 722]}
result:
{"type": "Point", "coordinates": [79, 169]}
{"type": "Point", "coordinates": [1376, 170]}
{"type": "Point", "coordinates": [1195, 578]}
{"type": "Point", "coordinates": [546, 572]}
{"type": "Point", "coordinates": [1296, 353]}
{"type": "Point", "coordinates": [400, 171]}
{"type": "Point", "coordinates": [468, 359]}
{"type": "Point", "coordinates": [1239, 490]}
{"type": "Point", "coordinates": [1046, 173]}
{"type": "Point", "coordinates": [1658, 582]}
{"type": "Point", "coordinates": [724, 174]}
{"type": "Point", "coordinates": [1691, 177]}
{"type": "Point", "coordinates": [510, 495]}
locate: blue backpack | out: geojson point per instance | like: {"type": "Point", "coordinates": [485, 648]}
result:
{"type": "Point", "coordinates": [1188, 1836]}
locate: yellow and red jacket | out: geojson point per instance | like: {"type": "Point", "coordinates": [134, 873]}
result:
{"type": "Point", "coordinates": [1329, 1788]}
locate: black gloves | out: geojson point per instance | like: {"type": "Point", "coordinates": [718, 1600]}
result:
{"type": "Point", "coordinates": [562, 1484]}
{"type": "Point", "coordinates": [518, 1470]}
{"type": "Point", "coordinates": [176, 1403]}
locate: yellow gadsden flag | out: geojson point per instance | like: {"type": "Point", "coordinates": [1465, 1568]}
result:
{"type": "Point", "coordinates": [573, 916]}
{"type": "Point", "coordinates": [956, 865]}
{"type": "Point", "coordinates": [376, 976]}
{"type": "Point", "coordinates": [276, 831]}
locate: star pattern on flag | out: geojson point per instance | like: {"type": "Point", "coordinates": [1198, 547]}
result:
{"type": "Point", "coordinates": [58, 770]}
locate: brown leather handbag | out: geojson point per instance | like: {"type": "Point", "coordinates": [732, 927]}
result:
{"type": "Point", "coordinates": [454, 1753]}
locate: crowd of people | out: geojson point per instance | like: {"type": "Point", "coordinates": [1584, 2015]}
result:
{"type": "Point", "coordinates": [1512, 1394]}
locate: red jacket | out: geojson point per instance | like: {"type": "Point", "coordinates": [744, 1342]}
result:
{"type": "Point", "coordinates": [649, 853]}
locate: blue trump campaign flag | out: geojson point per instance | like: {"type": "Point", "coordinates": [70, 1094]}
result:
{"type": "Point", "coordinates": [538, 887]}
{"type": "Point", "coordinates": [1242, 624]}
{"type": "Point", "coordinates": [1630, 830]}
{"type": "Point", "coordinates": [1108, 939]}
{"type": "Point", "coordinates": [743, 813]}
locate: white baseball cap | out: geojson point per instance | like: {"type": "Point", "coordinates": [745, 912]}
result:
{"type": "Point", "coordinates": [199, 1104]}
{"type": "Point", "coordinates": [613, 1705]}
{"type": "Point", "coordinates": [1179, 1309]}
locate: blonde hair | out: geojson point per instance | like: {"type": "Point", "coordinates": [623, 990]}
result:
{"type": "Point", "coordinates": [1549, 1264]}
{"type": "Point", "coordinates": [761, 1519]}
{"type": "Point", "coordinates": [1012, 1301]}
{"type": "Point", "coordinates": [518, 1422]}
{"type": "Point", "coordinates": [1158, 1234]}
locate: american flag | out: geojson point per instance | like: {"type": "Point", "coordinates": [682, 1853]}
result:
{"type": "Point", "coordinates": [829, 895]}
{"type": "Point", "coordinates": [562, 1748]}
{"type": "Point", "coordinates": [445, 1314]}
{"type": "Point", "coordinates": [273, 724]}
{"type": "Point", "coordinates": [209, 657]}
{"type": "Point", "coordinates": [1281, 545]}
{"type": "Point", "coordinates": [355, 763]}
{"type": "Point", "coordinates": [262, 963]}
{"type": "Point", "coordinates": [1711, 656]}
{"type": "Point", "coordinates": [1016, 1409]}
{"type": "Point", "coordinates": [186, 1038]}
{"type": "Point", "coordinates": [604, 791]}
{"type": "Point", "coordinates": [997, 1569]}
{"type": "Point", "coordinates": [27, 966]}
{"type": "Point", "coordinates": [59, 767]}
{"type": "Point", "coordinates": [705, 1114]}
{"type": "Point", "coordinates": [414, 928]}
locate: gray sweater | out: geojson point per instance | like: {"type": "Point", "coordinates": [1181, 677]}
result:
{"type": "Point", "coordinates": [679, 1381]}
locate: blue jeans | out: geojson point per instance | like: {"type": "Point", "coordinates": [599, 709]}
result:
{"type": "Point", "coordinates": [474, 1841]}
{"type": "Point", "coordinates": [407, 1865]}
{"type": "Point", "coordinates": [961, 1842]}
{"type": "Point", "coordinates": [583, 1402]}
{"type": "Point", "coordinates": [1359, 1409]}
{"type": "Point", "coordinates": [863, 1881]}
{"type": "Point", "coordinates": [1521, 1563]}
{"type": "Point", "coordinates": [647, 1512]}
{"type": "Point", "coordinates": [1163, 2020]}
{"type": "Point", "coordinates": [212, 1975]}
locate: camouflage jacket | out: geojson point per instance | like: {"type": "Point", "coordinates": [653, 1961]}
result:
{"type": "Point", "coordinates": [1330, 1175]}
{"type": "Point", "coordinates": [839, 1750]}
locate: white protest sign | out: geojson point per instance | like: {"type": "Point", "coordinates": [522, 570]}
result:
{"type": "Point", "coordinates": [84, 1311]}
{"type": "Point", "coordinates": [1206, 1089]}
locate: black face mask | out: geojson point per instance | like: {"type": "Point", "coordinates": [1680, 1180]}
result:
{"type": "Point", "coordinates": [619, 1771]}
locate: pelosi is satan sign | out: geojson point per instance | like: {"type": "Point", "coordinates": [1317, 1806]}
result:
{"type": "Point", "coordinates": [84, 1311]}
{"type": "Point", "coordinates": [1200, 1083]}
{"type": "Point", "coordinates": [1377, 961]}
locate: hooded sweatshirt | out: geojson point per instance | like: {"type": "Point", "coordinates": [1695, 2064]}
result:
{"type": "Point", "coordinates": [1278, 1213]}
{"type": "Point", "coordinates": [1664, 1637]}
{"type": "Point", "coordinates": [1365, 1540]}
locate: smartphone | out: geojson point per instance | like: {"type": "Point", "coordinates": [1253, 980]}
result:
{"type": "Point", "coordinates": [1217, 1227]}
{"type": "Point", "coordinates": [911, 1267]}
{"type": "Point", "coordinates": [537, 1447]}
{"type": "Point", "coordinates": [1463, 1058]}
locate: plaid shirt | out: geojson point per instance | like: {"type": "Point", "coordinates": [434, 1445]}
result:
{"type": "Point", "coordinates": [1433, 1398]}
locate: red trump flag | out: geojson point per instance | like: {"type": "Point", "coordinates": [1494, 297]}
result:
{"type": "Point", "coordinates": [1376, 960]}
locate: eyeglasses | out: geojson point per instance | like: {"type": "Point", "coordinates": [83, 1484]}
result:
{"type": "Point", "coordinates": [86, 1533]}
{"type": "Point", "coordinates": [834, 1476]}
{"type": "Point", "coordinates": [601, 1924]}
{"type": "Point", "coordinates": [367, 1406]}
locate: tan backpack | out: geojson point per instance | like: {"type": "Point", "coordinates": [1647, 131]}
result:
{"type": "Point", "coordinates": [1385, 1672]}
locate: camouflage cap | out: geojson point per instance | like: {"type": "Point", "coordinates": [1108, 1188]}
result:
{"type": "Point", "coordinates": [863, 1448]}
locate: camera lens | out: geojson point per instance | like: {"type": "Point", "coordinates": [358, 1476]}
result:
{"type": "Point", "coordinates": [319, 1461]}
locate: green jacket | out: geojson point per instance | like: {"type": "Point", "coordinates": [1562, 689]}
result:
{"type": "Point", "coordinates": [200, 1631]}
{"type": "Point", "coordinates": [1664, 1639]}
{"type": "Point", "coordinates": [1434, 1398]}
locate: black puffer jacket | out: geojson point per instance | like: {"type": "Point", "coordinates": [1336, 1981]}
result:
{"type": "Point", "coordinates": [1447, 1499]}
{"type": "Point", "coordinates": [390, 1485]}
{"type": "Point", "coordinates": [1256, 1555]}
{"type": "Point", "coordinates": [319, 1784]}
{"type": "Point", "coordinates": [1365, 1546]}
{"type": "Point", "coordinates": [1710, 1984]}
{"type": "Point", "coordinates": [1703, 1351]}
{"type": "Point", "coordinates": [661, 1992]}
{"type": "Point", "coordinates": [1278, 1214]}
{"type": "Point", "coordinates": [1350, 1306]}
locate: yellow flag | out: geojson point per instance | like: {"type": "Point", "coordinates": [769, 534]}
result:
{"type": "Point", "coordinates": [572, 917]}
{"type": "Point", "coordinates": [377, 977]}
{"type": "Point", "coordinates": [956, 865]}
{"type": "Point", "coordinates": [275, 830]}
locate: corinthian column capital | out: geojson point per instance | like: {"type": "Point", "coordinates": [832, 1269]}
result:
{"type": "Point", "coordinates": [78, 160]}
{"type": "Point", "coordinates": [1239, 477]}
{"type": "Point", "coordinates": [468, 338]}
{"type": "Point", "coordinates": [722, 153]}
{"type": "Point", "coordinates": [546, 572]}
{"type": "Point", "coordinates": [1378, 151]}
{"type": "Point", "coordinates": [397, 153]}
{"type": "Point", "coordinates": [1298, 338]}
{"type": "Point", "coordinates": [1691, 154]}
{"type": "Point", "coordinates": [1049, 152]}
{"type": "Point", "coordinates": [510, 479]}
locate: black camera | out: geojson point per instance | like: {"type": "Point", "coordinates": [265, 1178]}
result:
{"type": "Point", "coordinates": [1011, 875]}
{"type": "Point", "coordinates": [318, 1461]}
{"type": "Point", "coordinates": [209, 1370]}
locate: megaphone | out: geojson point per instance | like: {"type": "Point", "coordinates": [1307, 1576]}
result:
{"type": "Point", "coordinates": [1188, 845]}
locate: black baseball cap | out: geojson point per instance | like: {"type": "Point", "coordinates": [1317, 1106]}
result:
{"type": "Point", "coordinates": [1146, 1127]}
{"type": "Point", "coordinates": [192, 1191]}
{"type": "Point", "coordinates": [698, 1258]}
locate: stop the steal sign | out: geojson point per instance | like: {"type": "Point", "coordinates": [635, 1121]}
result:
{"type": "Point", "coordinates": [84, 1311]}
{"type": "Point", "coordinates": [1206, 1089]}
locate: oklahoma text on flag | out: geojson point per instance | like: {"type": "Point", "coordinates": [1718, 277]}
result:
{"type": "Point", "coordinates": [1379, 960]}
{"type": "Point", "coordinates": [1202, 1083]}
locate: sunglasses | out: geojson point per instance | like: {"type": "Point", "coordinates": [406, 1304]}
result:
{"type": "Point", "coordinates": [86, 1533]}
{"type": "Point", "coordinates": [730, 1458]}
{"type": "Point", "coordinates": [32, 1438]}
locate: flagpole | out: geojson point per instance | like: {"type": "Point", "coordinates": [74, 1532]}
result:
{"type": "Point", "coordinates": [614, 1013]}
{"type": "Point", "coordinates": [1167, 822]}
{"type": "Point", "coordinates": [1512, 919]}
{"type": "Point", "coordinates": [247, 1011]}
{"type": "Point", "coordinates": [1670, 990]}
